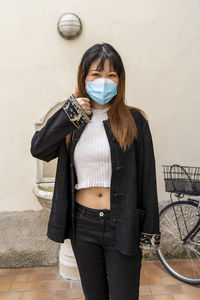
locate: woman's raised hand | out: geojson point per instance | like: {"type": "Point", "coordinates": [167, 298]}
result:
{"type": "Point", "coordinates": [84, 102]}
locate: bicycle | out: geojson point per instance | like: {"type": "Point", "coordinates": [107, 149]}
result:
{"type": "Point", "coordinates": [180, 224]}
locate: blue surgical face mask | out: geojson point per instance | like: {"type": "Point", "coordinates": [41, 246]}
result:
{"type": "Point", "coordinates": [101, 90]}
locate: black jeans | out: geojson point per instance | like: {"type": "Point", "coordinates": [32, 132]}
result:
{"type": "Point", "coordinates": [103, 270]}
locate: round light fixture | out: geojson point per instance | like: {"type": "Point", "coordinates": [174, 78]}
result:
{"type": "Point", "coordinates": [69, 26]}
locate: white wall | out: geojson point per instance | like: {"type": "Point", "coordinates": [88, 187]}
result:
{"type": "Point", "coordinates": [159, 42]}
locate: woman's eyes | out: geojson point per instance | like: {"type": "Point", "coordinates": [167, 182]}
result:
{"type": "Point", "coordinates": [96, 74]}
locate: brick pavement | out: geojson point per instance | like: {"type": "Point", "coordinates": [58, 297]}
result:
{"type": "Point", "coordinates": [46, 283]}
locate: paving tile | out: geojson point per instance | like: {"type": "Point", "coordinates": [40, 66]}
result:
{"type": "Point", "coordinates": [158, 297]}
{"type": "Point", "coordinates": [4, 287]}
{"type": "Point", "coordinates": [55, 285]}
{"type": "Point", "coordinates": [7, 278]}
{"type": "Point", "coordinates": [186, 297]}
{"type": "Point", "coordinates": [68, 294]}
{"type": "Point", "coordinates": [24, 286]}
{"type": "Point", "coordinates": [167, 280]}
{"type": "Point", "coordinates": [145, 290]}
{"type": "Point", "coordinates": [14, 296]}
{"type": "Point", "coordinates": [150, 280]}
{"type": "Point", "coordinates": [21, 278]}
{"type": "Point", "coordinates": [44, 277]}
{"type": "Point", "coordinates": [166, 289]}
{"type": "Point", "coordinates": [9, 271]}
{"type": "Point", "coordinates": [191, 289]}
{"type": "Point", "coordinates": [148, 264]}
{"type": "Point", "coordinates": [33, 270]}
{"type": "Point", "coordinates": [38, 295]}
{"type": "Point", "coordinates": [152, 264]}
{"type": "Point", "coordinates": [155, 272]}
{"type": "Point", "coordinates": [3, 296]}
{"type": "Point", "coordinates": [52, 270]}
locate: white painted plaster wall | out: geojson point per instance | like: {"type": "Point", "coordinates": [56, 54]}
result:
{"type": "Point", "coordinates": [159, 42]}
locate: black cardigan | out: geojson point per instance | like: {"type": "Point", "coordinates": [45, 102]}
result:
{"type": "Point", "coordinates": [133, 189]}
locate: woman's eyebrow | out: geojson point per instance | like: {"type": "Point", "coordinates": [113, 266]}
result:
{"type": "Point", "coordinates": [101, 71]}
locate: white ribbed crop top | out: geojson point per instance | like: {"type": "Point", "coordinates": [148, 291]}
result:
{"type": "Point", "coordinates": [92, 159]}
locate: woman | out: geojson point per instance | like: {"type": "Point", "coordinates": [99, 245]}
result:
{"type": "Point", "coordinates": [107, 166]}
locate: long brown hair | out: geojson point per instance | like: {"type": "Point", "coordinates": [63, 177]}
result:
{"type": "Point", "coordinates": [120, 118]}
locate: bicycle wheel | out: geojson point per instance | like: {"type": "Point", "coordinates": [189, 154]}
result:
{"type": "Point", "coordinates": [176, 221]}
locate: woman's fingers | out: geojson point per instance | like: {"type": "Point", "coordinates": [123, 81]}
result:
{"type": "Point", "coordinates": [84, 102]}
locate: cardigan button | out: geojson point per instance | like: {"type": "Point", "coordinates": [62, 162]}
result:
{"type": "Point", "coordinates": [118, 194]}
{"type": "Point", "coordinates": [119, 167]}
{"type": "Point", "coordinates": [121, 194]}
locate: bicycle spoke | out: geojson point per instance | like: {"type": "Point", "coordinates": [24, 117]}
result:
{"type": "Point", "coordinates": [192, 263]}
{"type": "Point", "coordinates": [195, 252]}
{"type": "Point", "coordinates": [175, 228]}
{"type": "Point", "coordinates": [167, 230]}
